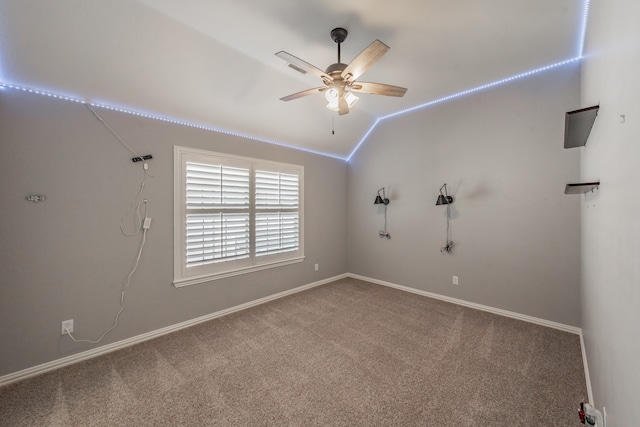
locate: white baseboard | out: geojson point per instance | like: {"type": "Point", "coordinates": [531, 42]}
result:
{"type": "Point", "coordinates": [75, 358]}
{"type": "Point", "coordinates": [514, 315]}
{"type": "Point", "coordinates": [79, 357]}
{"type": "Point", "coordinates": [586, 370]}
{"type": "Point", "coordinates": [499, 311]}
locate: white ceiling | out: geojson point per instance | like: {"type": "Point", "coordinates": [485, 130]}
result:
{"type": "Point", "coordinates": [212, 62]}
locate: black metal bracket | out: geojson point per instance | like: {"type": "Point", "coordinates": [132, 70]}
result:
{"type": "Point", "coordinates": [140, 159]}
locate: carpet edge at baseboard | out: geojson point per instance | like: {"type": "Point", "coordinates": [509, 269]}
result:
{"type": "Point", "coordinates": [542, 322]}
{"type": "Point", "coordinates": [85, 355]}
{"type": "Point", "coordinates": [538, 321]}
{"type": "Point", "coordinates": [118, 345]}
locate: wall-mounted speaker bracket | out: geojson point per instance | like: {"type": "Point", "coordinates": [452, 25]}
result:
{"type": "Point", "coordinates": [140, 159]}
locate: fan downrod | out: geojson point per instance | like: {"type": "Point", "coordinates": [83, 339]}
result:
{"type": "Point", "coordinates": [339, 35]}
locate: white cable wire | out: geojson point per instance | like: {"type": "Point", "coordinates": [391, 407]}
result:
{"type": "Point", "coordinates": [145, 165]}
{"type": "Point", "coordinates": [141, 225]}
{"type": "Point", "coordinates": [112, 131]}
{"type": "Point", "coordinates": [138, 225]}
{"type": "Point", "coordinates": [124, 287]}
{"type": "Point", "coordinates": [145, 168]}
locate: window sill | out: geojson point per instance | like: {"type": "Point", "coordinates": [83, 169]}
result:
{"type": "Point", "coordinates": [179, 283]}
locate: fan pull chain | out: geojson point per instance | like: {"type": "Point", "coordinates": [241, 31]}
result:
{"type": "Point", "coordinates": [333, 123]}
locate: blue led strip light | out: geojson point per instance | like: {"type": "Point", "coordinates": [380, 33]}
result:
{"type": "Point", "coordinates": [39, 92]}
{"type": "Point", "coordinates": [212, 129]}
{"type": "Point", "coordinates": [238, 134]}
{"type": "Point", "coordinates": [583, 30]}
{"type": "Point", "coordinates": [459, 94]}
{"type": "Point", "coordinates": [581, 41]}
{"type": "Point", "coordinates": [364, 137]}
{"type": "Point", "coordinates": [163, 119]}
{"type": "Point", "coordinates": [479, 88]}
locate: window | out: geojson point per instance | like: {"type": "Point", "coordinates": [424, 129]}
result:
{"type": "Point", "coordinates": [234, 215]}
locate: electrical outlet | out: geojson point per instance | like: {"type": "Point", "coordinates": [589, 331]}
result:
{"type": "Point", "coordinates": [66, 327]}
{"type": "Point", "coordinates": [455, 280]}
{"type": "Point", "coordinates": [317, 266]}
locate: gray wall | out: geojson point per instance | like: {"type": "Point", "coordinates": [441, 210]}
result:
{"type": "Point", "coordinates": [66, 258]}
{"type": "Point", "coordinates": [517, 236]}
{"type": "Point", "coordinates": [611, 215]}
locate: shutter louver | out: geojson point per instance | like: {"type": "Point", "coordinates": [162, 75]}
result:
{"type": "Point", "coordinates": [216, 238]}
{"type": "Point", "coordinates": [276, 233]}
{"type": "Point", "coordinates": [216, 186]}
{"type": "Point", "coordinates": [276, 190]}
{"type": "Point", "coordinates": [277, 218]}
{"type": "Point", "coordinates": [217, 222]}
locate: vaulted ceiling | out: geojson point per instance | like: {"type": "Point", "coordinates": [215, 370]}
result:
{"type": "Point", "coordinates": [213, 62]}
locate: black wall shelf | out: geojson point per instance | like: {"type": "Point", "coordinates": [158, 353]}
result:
{"type": "Point", "coordinates": [581, 188]}
{"type": "Point", "coordinates": [577, 126]}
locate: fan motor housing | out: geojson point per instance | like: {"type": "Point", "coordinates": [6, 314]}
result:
{"type": "Point", "coordinates": [336, 69]}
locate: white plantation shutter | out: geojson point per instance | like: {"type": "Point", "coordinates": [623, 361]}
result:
{"type": "Point", "coordinates": [276, 233]}
{"type": "Point", "coordinates": [234, 215]}
{"type": "Point", "coordinates": [217, 186]}
{"type": "Point", "coordinates": [277, 202]}
{"type": "Point", "coordinates": [223, 232]}
{"type": "Point", "coordinates": [275, 189]}
{"type": "Point", "coordinates": [216, 237]}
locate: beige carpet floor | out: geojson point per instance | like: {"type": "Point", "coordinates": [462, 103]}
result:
{"type": "Point", "coordinates": [348, 353]}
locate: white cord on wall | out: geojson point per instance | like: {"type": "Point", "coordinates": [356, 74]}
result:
{"type": "Point", "coordinates": [145, 169]}
{"type": "Point", "coordinates": [141, 225]}
{"type": "Point", "coordinates": [138, 224]}
{"type": "Point", "coordinates": [147, 223]}
{"type": "Point", "coordinates": [112, 131]}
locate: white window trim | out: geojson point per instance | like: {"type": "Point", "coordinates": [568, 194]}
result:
{"type": "Point", "coordinates": [181, 278]}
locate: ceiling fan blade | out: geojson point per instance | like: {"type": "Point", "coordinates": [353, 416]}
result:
{"type": "Point", "coordinates": [364, 60]}
{"type": "Point", "coordinates": [343, 106]}
{"type": "Point", "coordinates": [378, 89]}
{"type": "Point", "coordinates": [303, 93]}
{"type": "Point", "coordinates": [302, 66]}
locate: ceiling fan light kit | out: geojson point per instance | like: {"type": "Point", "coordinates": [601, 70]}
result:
{"type": "Point", "coordinates": [333, 98]}
{"type": "Point", "coordinates": [340, 79]}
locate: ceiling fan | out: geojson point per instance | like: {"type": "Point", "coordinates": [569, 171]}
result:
{"type": "Point", "coordinates": [340, 79]}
